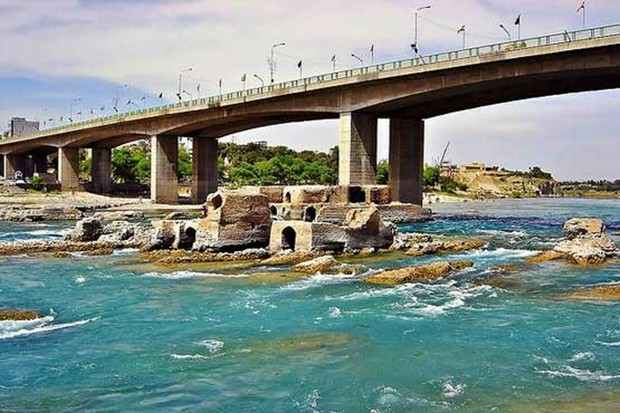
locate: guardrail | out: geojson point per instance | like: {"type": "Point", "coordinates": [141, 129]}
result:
{"type": "Point", "coordinates": [216, 100]}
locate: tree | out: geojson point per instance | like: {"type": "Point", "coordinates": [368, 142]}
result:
{"type": "Point", "coordinates": [431, 176]}
{"type": "Point", "coordinates": [383, 172]}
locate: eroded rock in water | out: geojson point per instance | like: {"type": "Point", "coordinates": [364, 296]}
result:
{"type": "Point", "coordinates": [587, 244]}
{"type": "Point", "coordinates": [315, 265]}
{"type": "Point", "coordinates": [416, 274]}
{"type": "Point", "coordinates": [86, 230]}
{"type": "Point", "coordinates": [438, 247]}
{"type": "Point", "coordinates": [19, 315]}
{"type": "Point", "coordinates": [610, 292]}
{"type": "Point", "coordinates": [546, 256]}
{"type": "Point", "coordinates": [287, 257]}
{"type": "Point", "coordinates": [365, 229]}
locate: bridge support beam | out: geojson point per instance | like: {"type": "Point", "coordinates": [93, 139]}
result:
{"type": "Point", "coordinates": [2, 158]}
{"type": "Point", "coordinates": [406, 160]}
{"type": "Point", "coordinates": [357, 149]}
{"type": "Point", "coordinates": [14, 163]}
{"type": "Point", "coordinates": [164, 159]}
{"type": "Point", "coordinates": [68, 169]}
{"type": "Point", "coordinates": [204, 178]}
{"type": "Point", "coordinates": [101, 170]}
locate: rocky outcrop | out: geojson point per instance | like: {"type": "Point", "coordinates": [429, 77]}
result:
{"type": "Point", "coordinates": [287, 257]}
{"type": "Point", "coordinates": [418, 274]}
{"type": "Point", "coordinates": [42, 246]}
{"type": "Point", "coordinates": [20, 213]}
{"type": "Point", "coordinates": [19, 315]}
{"type": "Point", "coordinates": [119, 215]}
{"type": "Point", "coordinates": [546, 256]}
{"type": "Point", "coordinates": [439, 247]}
{"type": "Point", "coordinates": [586, 242]}
{"type": "Point", "coordinates": [86, 230]}
{"type": "Point", "coordinates": [316, 265]}
{"type": "Point", "coordinates": [194, 257]}
{"type": "Point", "coordinates": [610, 292]}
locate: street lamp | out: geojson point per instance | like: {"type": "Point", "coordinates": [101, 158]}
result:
{"type": "Point", "coordinates": [117, 97]}
{"type": "Point", "coordinates": [271, 63]}
{"type": "Point", "coordinates": [358, 58]}
{"type": "Point", "coordinates": [415, 38]}
{"type": "Point", "coordinates": [71, 108]}
{"type": "Point", "coordinates": [189, 69]}
{"type": "Point", "coordinates": [506, 30]}
{"type": "Point", "coordinates": [262, 82]}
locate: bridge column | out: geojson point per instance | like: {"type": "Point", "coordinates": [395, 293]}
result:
{"type": "Point", "coordinates": [406, 160]}
{"type": "Point", "coordinates": [164, 159]}
{"type": "Point", "coordinates": [69, 169]}
{"type": "Point", "coordinates": [204, 178]}
{"type": "Point", "coordinates": [2, 158]}
{"type": "Point", "coordinates": [101, 170]}
{"type": "Point", "coordinates": [14, 163]}
{"type": "Point", "coordinates": [358, 149]}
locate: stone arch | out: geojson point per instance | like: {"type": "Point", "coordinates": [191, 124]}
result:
{"type": "Point", "coordinates": [289, 238]}
{"type": "Point", "coordinates": [310, 214]}
{"type": "Point", "coordinates": [357, 195]}
{"type": "Point", "coordinates": [216, 201]}
{"type": "Point", "coordinates": [187, 238]}
{"type": "Point", "coordinates": [287, 197]}
{"type": "Point", "coordinates": [273, 210]}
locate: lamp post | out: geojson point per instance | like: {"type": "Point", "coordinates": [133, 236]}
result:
{"type": "Point", "coordinates": [189, 69]}
{"type": "Point", "coordinates": [358, 58]}
{"type": "Point", "coordinates": [260, 79]}
{"type": "Point", "coordinates": [415, 36]}
{"type": "Point", "coordinates": [271, 62]}
{"type": "Point", "coordinates": [505, 30]}
{"type": "Point", "coordinates": [117, 97]}
{"type": "Point", "coordinates": [71, 108]}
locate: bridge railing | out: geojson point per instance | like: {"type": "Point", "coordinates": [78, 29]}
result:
{"type": "Point", "coordinates": [213, 101]}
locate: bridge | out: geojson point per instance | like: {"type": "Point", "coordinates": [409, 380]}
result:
{"type": "Point", "coordinates": [406, 92]}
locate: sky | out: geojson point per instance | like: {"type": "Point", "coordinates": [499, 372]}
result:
{"type": "Point", "coordinates": [76, 56]}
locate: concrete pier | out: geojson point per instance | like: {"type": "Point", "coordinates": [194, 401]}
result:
{"type": "Point", "coordinates": [406, 160]}
{"type": "Point", "coordinates": [204, 178]}
{"type": "Point", "coordinates": [39, 162]}
{"type": "Point", "coordinates": [68, 169]}
{"type": "Point", "coordinates": [14, 163]}
{"type": "Point", "coordinates": [164, 160]}
{"type": "Point", "coordinates": [101, 170]}
{"type": "Point", "coordinates": [358, 149]}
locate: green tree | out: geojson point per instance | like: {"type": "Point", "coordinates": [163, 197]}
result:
{"type": "Point", "coordinates": [383, 172]}
{"type": "Point", "coordinates": [431, 176]}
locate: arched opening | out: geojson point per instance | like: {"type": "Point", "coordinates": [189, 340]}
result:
{"type": "Point", "coordinates": [287, 197]}
{"type": "Point", "coordinates": [289, 238]}
{"type": "Point", "coordinates": [216, 202]}
{"type": "Point", "coordinates": [188, 238]}
{"type": "Point", "coordinates": [310, 214]}
{"type": "Point", "coordinates": [273, 210]}
{"type": "Point", "coordinates": [357, 195]}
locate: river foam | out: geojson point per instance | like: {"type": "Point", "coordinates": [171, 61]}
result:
{"type": "Point", "coordinates": [12, 328]}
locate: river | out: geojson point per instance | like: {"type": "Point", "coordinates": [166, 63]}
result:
{"type": "Point", "coordinates": [122, 335]}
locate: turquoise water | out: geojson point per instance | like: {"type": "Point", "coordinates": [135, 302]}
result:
{"type": "Point", "coordinates": [125, 337]}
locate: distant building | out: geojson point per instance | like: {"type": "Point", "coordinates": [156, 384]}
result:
{"type": "Point", "coordinates": [261, 144]}
{"type": "Point", "coordinates": [21, 126]}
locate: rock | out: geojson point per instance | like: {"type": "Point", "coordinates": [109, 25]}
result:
{"type": "Point", "coordinates": [18, 315]}
{"type": "Point", "coordinates": [503, 268]}
{"type": "Point", "coordinates": [587, 244]}
{"type": "Point", "coordinates": [435, 247]}
{"type": "Point", "coordinates": [193, 257]}
{"type": "Point", "coordinates": [34, 214]}
{"type": "Point", "coordinates": [546, 256]}
{"type": "Point", "coordinates": [99, 252]}
{"type": "Point", "coordinates": [117, 231]}
{"type": "Point", "coordinates": [417, 274]}
{"type": "Point", "coordinates": [162, 237]}
{"type": "Point", "coordinates": [587, 251]}
{"type": "Point", "coordinates": [316, 265]}
{"type": "Point", "coordinates": [609, 292]}
{"type": "Point", "coordinates": [87, 229]}
{"type": "Point", "coordinates": [577, 227]}
{"type": "Point", "coordinates": [175, 216]}
{"type": "Point", "coordinates": [119, 215]}
{"type": "Point", "coordinates": [287, 257]}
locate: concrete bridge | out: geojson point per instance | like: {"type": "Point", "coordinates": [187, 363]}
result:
{"type": "Point", "coordinates": [406, 92]}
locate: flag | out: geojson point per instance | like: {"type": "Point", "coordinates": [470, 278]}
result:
{"type": "Point", "coordinates": [198, 88]}
{"type": "Point", "coordinates": [143, 98]}
{"type": "Point", "coordinates": [333, 58]}
{"type": "Point", "coordinates": [243, 78]}
{"type": "Point", "coordinates": [70, 120]}
{"type": "Point", "coordinates": [518, 21]}
{"type": "Point", "coordinates": [129, 102]}
{"type": "Point", "coordinates": [372, 48]}
{"type": "Point", "coordinates": [161, 95]}
{"type": "Point", "coordinates": [60, 119]}
{"type": "Point", "coordinates": [583, 6]}
{"type": "Point", "coordinates": [220, 82]}
{"type": "Point", "coordinates": [299, 64]}
{"type": "Point", "coordinates": [115, 109]}
{"type": "Point", "coordinates": [102, 108]}
{"type": "Point", "coordinates": [461, 30]}
{"type": "Point", "coordinates": [79, 113]}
